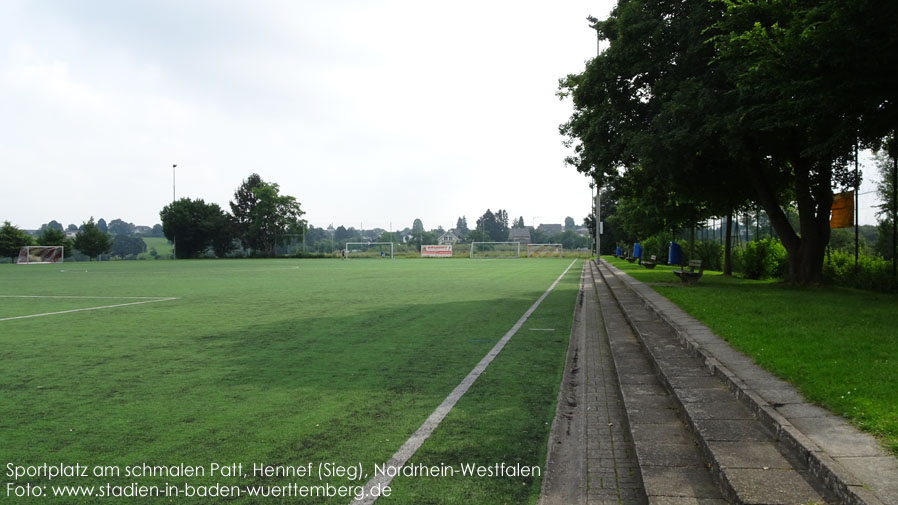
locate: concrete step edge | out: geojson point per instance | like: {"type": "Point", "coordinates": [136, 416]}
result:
{"type": "Point", "coordinates": [831, 475]}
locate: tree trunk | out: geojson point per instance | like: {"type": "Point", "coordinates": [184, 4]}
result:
{"type": "Point", "coordinates": [807, 250]}
{"type": "Point", "coordinates": [728, 248]}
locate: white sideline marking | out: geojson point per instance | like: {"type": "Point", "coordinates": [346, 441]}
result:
{"type": "Point", "coordinates": [144, 299]}
{"type": "Point", "coordinates": [408, 449]}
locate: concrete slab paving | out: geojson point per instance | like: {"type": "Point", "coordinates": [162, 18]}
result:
{"type": "Point", "coordinates": [852, 465]}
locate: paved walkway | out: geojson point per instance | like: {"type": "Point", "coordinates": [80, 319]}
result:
{"type": "Point", "coordinates": [655, 409]}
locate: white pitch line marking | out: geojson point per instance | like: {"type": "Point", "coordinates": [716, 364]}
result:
{"type": "Point", "coordinates": [88, 308]}
{"type": "Point", "coordinates": [542, 329]}
{"type": "Point", "coordinates": [408, 449]}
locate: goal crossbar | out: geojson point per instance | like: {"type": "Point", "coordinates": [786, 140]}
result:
{"type": "Point", "coordinates": [512, 249]}
{"type": "Point", "coordinates": [347, 248]}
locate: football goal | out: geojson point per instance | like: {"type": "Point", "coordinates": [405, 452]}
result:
{"type": "Point", "coordinates": [40, 254]}
{"type": "Point", "coordinates": [369, 250]}
{"type": "Point", "coordinates": [495, 249]}
{"type": "Point", "coordinates": [545, 251]}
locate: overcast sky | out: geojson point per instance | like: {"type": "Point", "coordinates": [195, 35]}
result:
{"type": "Point", "coordinates": [368, 112]}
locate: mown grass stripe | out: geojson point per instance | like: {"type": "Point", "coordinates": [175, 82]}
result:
{"type": "Point", "coordinates": [408, 449]}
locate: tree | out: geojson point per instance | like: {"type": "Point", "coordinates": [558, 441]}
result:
{"type": "Point", "coordinates": [195, 226]}
{"type": "Point", "coordinates": [491, 227]}
{"type": "Point", "coordinates": [569, 223]}
{"type": "Point", "coordinates": [12, 239]}
{"type": "Point", "coordinates": [272, 217]}
{"type": "Point", "coordinates": [55, 236]}
{"type": "Point", "coordinates": [518, 223]}
{"type": "Point", "coordinates": [91, 241]}
{"type": "Point", "coordinates": [461, 226]}
{"type": "Point", "coordinates": [242, 207]}
{"type": "Point", "coordinates": [72, 228]}
{"type": "Point", "coordinates": [261, 215]}
{"type": "Point", "coordinates": [157, 231]}
{"type": "Point", "coordinates": [102, 226]}
{"type": "Point", "coordinates": [119, 227]}
{"type": "Point", "coordinates": [127, 245]}
{"type": "Point", "coordinates": [341, 233]}
{"type": "Point", "coordinates": [54, 225]}
{"type": "Point", "coordinates": [768, 113]}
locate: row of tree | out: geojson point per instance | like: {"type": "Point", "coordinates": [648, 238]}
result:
{"type": "Point", "coordinates": [89, 240]}
{"type": "Point", "coordinates": [698, 109]}
{"type": "Point", "coordinates": [260, 218]}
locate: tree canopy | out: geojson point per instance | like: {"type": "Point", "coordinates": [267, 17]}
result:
{"type": "Point", "coordinates": [698, 108]}
{"type": "Point", "coordinates": [12, 239]}
{"type": "Point", "coordinates": [91, 241]}
{"type": "Point", "coordinates": [195, 226]}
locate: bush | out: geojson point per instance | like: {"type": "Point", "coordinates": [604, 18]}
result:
{"type": "Point", "coordinates": [655, 245]}
{"type": "Point", "coordinates": [711, 254]}
{"type": "Point", "coordinates": [762, 259]}
{"type": "Point", "coordinates": [873, 273]}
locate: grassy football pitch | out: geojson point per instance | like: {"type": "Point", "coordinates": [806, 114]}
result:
{"type": "Point", "coordinates": [288, 364]}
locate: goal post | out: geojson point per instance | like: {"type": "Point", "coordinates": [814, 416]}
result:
{"type": "Point", "coordinates": [495, 249]}
{"type": "Point", "coordinates": [545, 251]}
{"type": "Point", "coordinates": [368, 250]}
{"type": "Point", "coordinates": [40, 254]}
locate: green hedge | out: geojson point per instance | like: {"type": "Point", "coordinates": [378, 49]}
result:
{"type": "Point", "coordinates": [872, 273]}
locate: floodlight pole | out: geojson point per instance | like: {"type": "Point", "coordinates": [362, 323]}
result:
{"type": "Point", "coordinates": [598, 219]}
{"type": "Point", "coordinates": [174, 239]}
{"type": "Point", "coordinates": [598, 214]}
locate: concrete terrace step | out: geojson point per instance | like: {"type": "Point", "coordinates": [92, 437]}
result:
{"type": "Point", "coordinates": [853, 467]}
{"type": "Point", "coordinates": [673, 469]}
{"type": "Point", "coordinates": [744, 456]}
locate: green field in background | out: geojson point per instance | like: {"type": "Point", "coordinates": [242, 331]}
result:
{"type": "Point", "coordinates": [281, 362]}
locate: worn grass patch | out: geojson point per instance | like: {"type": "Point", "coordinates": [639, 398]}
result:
{"type": "Point", "coordinates": [838, 346]}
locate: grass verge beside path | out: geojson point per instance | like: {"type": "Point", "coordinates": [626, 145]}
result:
{"type": "Point", "coordinates": [839, 347]}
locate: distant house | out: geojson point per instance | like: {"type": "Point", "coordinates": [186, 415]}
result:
{"type": "Point", "coordinates": [448, 238]}
{"type": "Point", "coordinates": [143, 230]}
{"type": "Point", "coordinates": [519, 235]}
{"type": "Point", "coordinates": [550, 229]}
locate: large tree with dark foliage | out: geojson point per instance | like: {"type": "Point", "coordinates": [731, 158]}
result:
{"type": "Point", "coordinates": [195, 226]}
{"type": "Point", "coordinates": [710, 105]}
{"type": "Point", "coordinates": [262, 215]}
{"type": "Point", "coordinates": [91, 241]}
{"type": "Point", "coordinates": [12, 239]}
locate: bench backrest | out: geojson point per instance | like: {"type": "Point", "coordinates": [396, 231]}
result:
{"type": "Point", "coordinates": [695, 264]}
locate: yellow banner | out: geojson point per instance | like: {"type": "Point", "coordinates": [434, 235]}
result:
{"type": "Point", "coordinates": [843, 210]}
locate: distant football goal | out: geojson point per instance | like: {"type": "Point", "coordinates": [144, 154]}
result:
{"type": "Point", "coordinates": [495, 250]}
{"type": "Point", "coordinates": [369, 250]}
{"type": "Point", "coordinates": [40, 254]}
{"type": "Point", "coordinates": [545, 251]}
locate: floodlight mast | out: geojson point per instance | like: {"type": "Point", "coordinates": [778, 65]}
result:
{"type": "Point", "coordinates": [174, 239]}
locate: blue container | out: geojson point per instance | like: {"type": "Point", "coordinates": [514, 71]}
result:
{"type": "Point", "coordinates": [637, 251]}
{"type": "Point", "coordinates": [674, 254]}
{"type": "Point", "coordinates": [617, 252]}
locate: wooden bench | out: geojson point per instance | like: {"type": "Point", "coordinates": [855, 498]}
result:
{"type": "Point", "coordinates": [631, 259]}
{"type": "Point", "coordinates": [693, 274]}
{"type": "Point", "coordinates": [650, 264]}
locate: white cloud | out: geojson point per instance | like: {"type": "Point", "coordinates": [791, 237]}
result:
{"type": "Point", "coordinates": [365, 111]}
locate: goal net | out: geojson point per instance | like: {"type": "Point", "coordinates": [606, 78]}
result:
{"type": "Point", "coordinates": [369, 250]}
{"type": "Point", "coordinates": [495, 250]}
{"type": "Point", "coordinates": [545, 251]}
{"type": "Point", "coordinates": [40, 255]}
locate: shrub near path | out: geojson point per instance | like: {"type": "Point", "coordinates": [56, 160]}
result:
{"type": "Point", "coordinates": [838, 346]}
